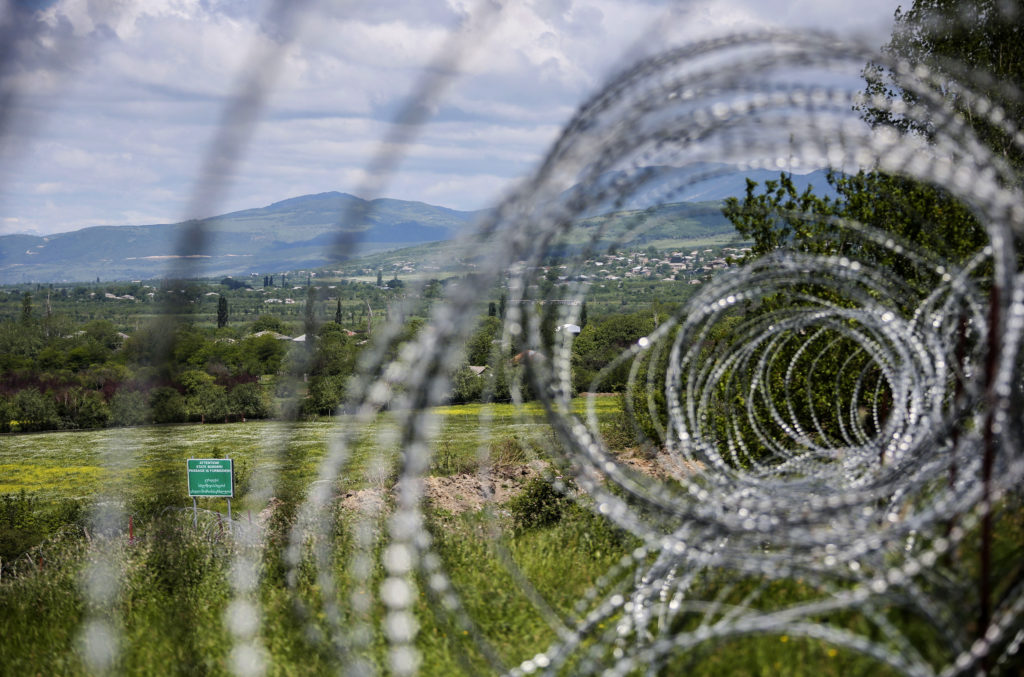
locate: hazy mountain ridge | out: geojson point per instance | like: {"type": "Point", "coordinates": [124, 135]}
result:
{"type": "Point", "coordinates": [297, 232]}
{"type": "Point", "coordinates": [302, 232]}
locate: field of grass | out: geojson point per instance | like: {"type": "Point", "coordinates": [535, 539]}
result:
{"type": "Point", "coordinates": [173, 607]}
{"type": "Point", "coordinates": [129, 462]}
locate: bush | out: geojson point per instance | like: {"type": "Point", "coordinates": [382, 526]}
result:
{"type": "Point", "coordinates": [540, 504]}
{"type": "Point", "coordinates": [507, 451]}
{"type": "Point", "coordinates": [25, 521]}
{"type": "Point", "coordinates": [467, 386]}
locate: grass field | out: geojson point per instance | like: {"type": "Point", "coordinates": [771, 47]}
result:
{"type": "Point", "coordinates": [127, 461]}
{"type": "Point", "coordinates": [173, 606]}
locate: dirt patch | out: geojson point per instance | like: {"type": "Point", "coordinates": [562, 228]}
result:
{"type": "Point", "coordinates": [454, 493]}
{"type": "Point", "coordinates": [464, 492]}
{"type": "Point", "coordinates": [459, 493]}
{"type": "Point", "coordinates": [368, 501]}
{"type": "Point", "coordinates": [661, 465]}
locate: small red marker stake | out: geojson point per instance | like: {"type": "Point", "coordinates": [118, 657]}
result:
{"type": "Point", "coordinates": [131, 529]}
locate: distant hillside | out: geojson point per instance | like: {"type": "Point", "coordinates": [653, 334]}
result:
{"type": "Point", "coordinates": [295, 233]}
{"type": "Point", "coordinates": [302, 232]}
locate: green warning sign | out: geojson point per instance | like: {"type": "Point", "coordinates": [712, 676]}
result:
{"type": "Point", "coordinates": [211, 477]}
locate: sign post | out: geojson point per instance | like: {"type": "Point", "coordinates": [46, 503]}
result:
{"type": "Point", "coordinates": [210, 478]}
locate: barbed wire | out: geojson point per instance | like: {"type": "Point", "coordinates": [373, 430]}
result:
{"type": "Point", "coordinates": [860, 502]}
{"type": "Point", "coordinates": [838, 423]}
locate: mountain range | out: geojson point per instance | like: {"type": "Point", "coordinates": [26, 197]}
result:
{"type": "Point", "coordinates": [303, 232]}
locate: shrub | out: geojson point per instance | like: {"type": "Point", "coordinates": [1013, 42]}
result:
{"type": "Point", "coordinates": [25, 521]}
{"type": "Point", "coordinates": [507, 451]}
{"type": "Point", "coordinates": [467, 386]}
{"type": "Point", "coordinates": [541, 503]}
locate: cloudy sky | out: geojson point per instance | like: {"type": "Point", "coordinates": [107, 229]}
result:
{"type": "Point", "coordinates": [111, 111]}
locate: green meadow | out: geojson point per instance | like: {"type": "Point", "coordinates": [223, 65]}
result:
{"type": "Point", "coordinates": [126, 462]}
{"type": "Point", "coordinates": [518, 567]}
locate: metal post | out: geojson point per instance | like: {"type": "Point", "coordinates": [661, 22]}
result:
{"type": "Point", "coordinates": [195, 514]}
{"type": "Point", "coordinates": [230, 528]}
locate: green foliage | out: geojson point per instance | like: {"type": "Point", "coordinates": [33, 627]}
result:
{"type": "Point", "coordinates": [541, 503]}
{"type": "Point", "coordinates": [151, 344]}
{"type": "Point", "coordinates": [480, 347]}
{"type": "Point", "coordinates": [270, 323]}
{"type": "Point", "coordinates": [600, 342]}
{"type": "Point", "coordinates": [262, 354]}
{"type": "Point", "coordinates": [103, 332]}
{"type": "Point", "coordinates": [311, 322]}
{"type": "Point", "coordinates": [335, 352]}
{"type": "Point", "coordinates": [222, 312]}
{"type": "Point", "coordinates": [777, 217]}
{"type": "Point", "coordinates": [249, 400]}
{"type": "Point", "coordinates": [204, 399]}
{"type": "Point", "coordinates": [324, 395]}
{"type": "Point", "coordinates": [497, 383]}
{"type": "Point", "coordinates": [232, 283]}
{"type": "Point", "coordinates": [26, 308]}
{"type": "Point", "coordinates": [925, 219]}
{"type": "Point", "coordinates": [8, 414]}
{"type": "Point", "coordinates": [467, 386]}
{"type": "Point", "coordinates": [506, 451]}
{"type": "Point", "coordinates": [83, 409]}
{"type": "Point", "coordinates": [129, 408]}
{"type": "Point", "coordinates": [449, 460]}
{"type": "Point", "coordinates": [620, 432]}
{"type": "Point", "coordinates": [167, 405]}
{"type": "Point", "coordinates": [35, 411]}
{"type": "Point", "coordinates": [25, 521]}
{"type": "Point", "coordinates": [946, 36]}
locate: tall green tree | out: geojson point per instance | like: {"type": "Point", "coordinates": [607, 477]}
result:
{"type": "Point", "coordinates": [222, 312]}
{"type": "Point", "coordinates": [26, 308]}
{"type": "Point", "coordinates": [975, 45]}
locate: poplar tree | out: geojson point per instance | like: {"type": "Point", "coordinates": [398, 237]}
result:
{"type": "Point", "coordinates": [26, 308]}
{"type": "Point", "coordinates": [222, 312]}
